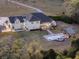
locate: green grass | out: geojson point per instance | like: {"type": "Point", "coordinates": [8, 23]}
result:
{"type": "Point", "coordinates": [23, 34]}
{"type": "Point", "coordinates": [31, 33]}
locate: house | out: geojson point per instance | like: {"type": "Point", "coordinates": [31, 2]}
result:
{"type": "Point", "coordinates": [5, 25]}
{"type": "Point", "coordinates": [26, 22]}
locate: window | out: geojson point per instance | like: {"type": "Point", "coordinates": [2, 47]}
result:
{"type": "Point", "coordinates": [37, 21]}
{"type": "Point", "coordinates": [9, 26]}
{"type": "Point", "coordinates": [6, 22]}
{"type": "Point", "coordinates": [4, 28]}
{"type": "Point", "coordinates": [32, 22]}
{"type": "Point", "coordinates": [12, 27]}
{"type": "Point", "coordinates": [26, 28]}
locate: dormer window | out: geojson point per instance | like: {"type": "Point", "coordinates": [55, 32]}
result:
{"type": "Point", "coordinates": [17, 21]}
{"type": "Point", "coordinates": [24, 19]}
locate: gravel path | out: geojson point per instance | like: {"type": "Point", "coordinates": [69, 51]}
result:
{"type": "Point", "coordinates": [25, 5]}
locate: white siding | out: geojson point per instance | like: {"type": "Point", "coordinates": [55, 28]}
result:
{"type": "Point", "coordinates": [7, 25]}
{"type": "Point", "coordinates": [3, 20]}
{"type": "Point", "coordinates": [17, 24]}
{"type": "Point", "coordinates": [32, 25]}
{"type": "Point", "coordinates": [26, 25]}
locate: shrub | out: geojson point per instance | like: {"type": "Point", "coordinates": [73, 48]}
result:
{"type": "Point", "coordinates": [65, 19]}
{"type": "Point", "coordinates": [50, 54]}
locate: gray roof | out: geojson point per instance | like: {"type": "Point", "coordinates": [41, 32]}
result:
{"type": "Point", "coordinates": [42, 17]}
{"type": "Point", "coordinates": [38, 17]}
{"type": "Point", "coordinates": [14, 18]}
{"type": "Point", "coordinates": [31, 17]}
{"type": "Point", "coordinates": [70, 30]}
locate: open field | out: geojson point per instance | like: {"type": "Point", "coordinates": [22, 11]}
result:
{"type": "Point", "coordinates": [50, 7]}
{"type": "Point", "coordinates": [9, 9]}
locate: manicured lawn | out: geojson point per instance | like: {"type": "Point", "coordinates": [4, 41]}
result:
{"type": "Point", "coordinates": [31, 33]}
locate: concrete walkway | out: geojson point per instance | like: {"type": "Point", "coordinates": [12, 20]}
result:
{"type": "Point", "coordinates": [50, 32]}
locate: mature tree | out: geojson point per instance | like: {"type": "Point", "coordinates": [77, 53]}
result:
{"type": "Point", "coordinates": [72, 9]}
{"type": "Point", "coordinates": [33, 49]}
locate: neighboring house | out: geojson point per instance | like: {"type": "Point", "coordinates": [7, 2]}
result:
{"type": "Point", "coordinates": [26, 23]}
{"type": "Point", "coordinates": [5, 25]}
{"type": "Point", "coordinates": [70, 30]}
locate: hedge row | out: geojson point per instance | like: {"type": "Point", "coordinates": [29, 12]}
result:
{"type": "Point", "coordinates": [65, 19]}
